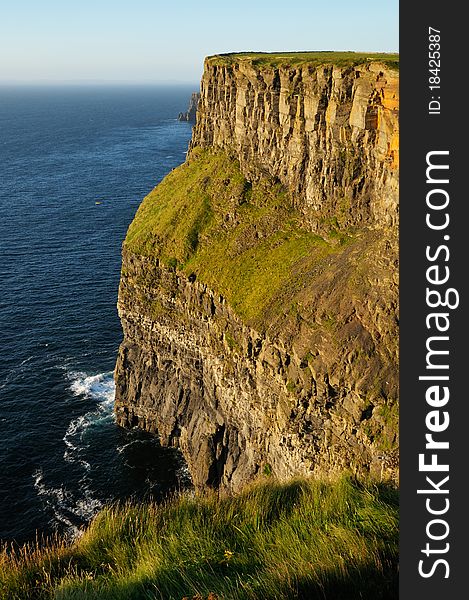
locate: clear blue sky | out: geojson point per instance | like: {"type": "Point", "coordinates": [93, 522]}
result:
{"type": "Point", "coordinates": [149, 40]}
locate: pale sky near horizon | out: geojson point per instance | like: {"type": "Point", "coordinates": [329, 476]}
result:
{"type": "Point", "coordinates": [152, 41]}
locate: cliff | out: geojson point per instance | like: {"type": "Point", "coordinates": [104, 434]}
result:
{"type": "Point", "coordinates": [191, 112]}
{"type": "Point", "coordinates": [259, 289]}
{"type": "Point", "coordinates": [321, 131]}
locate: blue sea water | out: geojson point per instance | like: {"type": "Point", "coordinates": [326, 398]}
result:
{"type": "Point", "coordinates": [75, 162]}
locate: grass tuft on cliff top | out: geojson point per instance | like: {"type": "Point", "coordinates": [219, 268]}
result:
{"type": "Point", "coordinates": [302, 539]}
{"type": "Point", "coordinates": [245, 241]}
{"type": "Point", "coordinates": [311, 59]}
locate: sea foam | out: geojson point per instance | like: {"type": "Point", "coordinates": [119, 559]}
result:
{"type": "Point", "coordinates": [99, 388]}
{"type": "Point", "coordinates": [68, 508]}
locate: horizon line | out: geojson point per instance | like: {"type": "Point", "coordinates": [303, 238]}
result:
{"type": "Point", "coordinates": [5, 82]}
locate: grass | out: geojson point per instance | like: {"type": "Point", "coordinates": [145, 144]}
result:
{"type": "Point", "coordinates": [245, 241]}
{"type": "Point", "coordinates": [306, 59]}
{"type": "Point", "coordinates": [249, 244]}
{"type": "Point", "coordinates": [307, 538]}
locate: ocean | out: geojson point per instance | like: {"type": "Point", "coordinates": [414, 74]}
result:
{"type": "Point", "coordinates": [75, 163]}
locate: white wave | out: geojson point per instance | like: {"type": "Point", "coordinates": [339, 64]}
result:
{"type": "Point", "coordinates": [87, 507]}
{"type": "Point", "coordinates": [58, 500]}
{"type": "Point", "coordinates": [100, 388]}
{"type": "Point", "coordinates": [64, 506]}
{"type": "Point", "coordinates": [183, 475]}
{"type": "Point", "coordinates": [121, 449]}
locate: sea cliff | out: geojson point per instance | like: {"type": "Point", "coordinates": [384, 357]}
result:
{"type": "Point", "coordinates": [191, 113]}
{"type": "Point", "coordinates": [259, 285]}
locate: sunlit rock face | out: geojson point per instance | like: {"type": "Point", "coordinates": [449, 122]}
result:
{"type": "Point", "coordinates": [313, 387]}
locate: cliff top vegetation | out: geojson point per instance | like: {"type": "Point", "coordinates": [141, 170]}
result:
{"type": "Point", "coordinates": [248, 243]}
{"type": "Point", "coordinates": [313, 59]}
{"type": "Point", "coordinates": [303, 539]}
{"type": "Point", "coordinates": [245, 241]}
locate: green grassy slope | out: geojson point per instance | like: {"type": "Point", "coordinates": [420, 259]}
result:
{"type": "Point", "coordinates": [245, 241]}
{"type": "Point", "coordinates": [303, 539]}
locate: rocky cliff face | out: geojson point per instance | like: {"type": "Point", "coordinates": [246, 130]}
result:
{"type": "Point", "coordinates": [330, 134]}
{"type": "Point", "coordinates": [191, 113]}
{"type": "Point", "coordinates": [259, 294]}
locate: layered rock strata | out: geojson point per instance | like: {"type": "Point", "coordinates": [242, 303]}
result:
{"type": "Point", "coordinates": [313, 387]}
{"type": "Point", "coordinates": [330, 134]}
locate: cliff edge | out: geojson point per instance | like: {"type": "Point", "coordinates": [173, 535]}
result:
{"type": "Point", "coordinates": [259, 285]}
